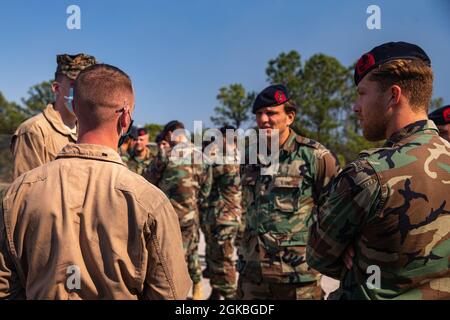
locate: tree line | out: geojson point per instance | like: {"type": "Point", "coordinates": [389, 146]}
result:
{"type": "Point", "coordinates": [321, 86]}
{"type": "Point", "coordinates": [324, 92]}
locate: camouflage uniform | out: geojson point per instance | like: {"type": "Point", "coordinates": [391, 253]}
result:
{"type": "Point", "coordinates": [124, 155]}
{"type": "Point", "coordinates": [187, 185]}
{"type": "Point", "coordinates": [392, 205]}
{"type": "Point", "coordinates": [138, 165]}
{"type": "Point", "coordinates": [220, 223]}
{"type": "Point", "coordinates": [272, 259]}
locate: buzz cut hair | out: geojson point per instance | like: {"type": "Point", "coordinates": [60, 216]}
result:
{"type": "Point", "coordinates": [101, 87]}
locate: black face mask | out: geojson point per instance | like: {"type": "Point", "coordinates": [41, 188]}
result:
{"type": "Point", "coordinates": [126, 135]}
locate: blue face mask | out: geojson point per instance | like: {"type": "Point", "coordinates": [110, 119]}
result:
{"type": "Point", "coordinates": [68, 102]}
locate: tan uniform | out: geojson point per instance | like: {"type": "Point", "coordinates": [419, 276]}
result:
{"type": "Point", "coordinates": [38, 140]}
{"type": "Point", "coordinates": [87, 210]}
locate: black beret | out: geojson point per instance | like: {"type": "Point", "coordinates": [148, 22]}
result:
{"type": "Point", "coordinates": [271, 96]}
{"type": "Point", "coordinates": [172, 126]}
{"type": "Point", "coordinates": [440, 116]}
{"type": "Point", "coordinates": [160, 137]}
{"type": "Point", "coordinates": [387, 52]}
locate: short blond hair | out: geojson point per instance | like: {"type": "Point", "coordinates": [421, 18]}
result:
{"type": "Point", "coordinates": [101, 90]}
{"type": "Point", "coordinates": [415, 78]}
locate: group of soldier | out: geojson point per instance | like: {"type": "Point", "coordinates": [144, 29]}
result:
{"type": "Point", "coordinates": [90, 193]}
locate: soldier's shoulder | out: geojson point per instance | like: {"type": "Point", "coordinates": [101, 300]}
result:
{"type": "Point", "coordinates": [357, 174]}
{"type": "Point", "coordinates": [313, 146]}
{"type": "Point", "coordinates": [146, 194]}
{"type": "Point", "coordinates": [29, 178]}
{"type": "Point", "coordinates": [386, 157]}
{"type": "Point", "coordinates": [32, 125]}
{"type": "Point", "coordinates": [125, 158]}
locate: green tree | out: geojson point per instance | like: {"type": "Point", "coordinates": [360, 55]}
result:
{"type": "Point", "coordinates": [234, 106]}
{"type": "Point", "coordinates": [325, 93]}
{"type": "Point", "coordinates": [320, 89]}
{"type": "Point", "coordinates": [11, 115]}
{"type": "Point", "coordinates": [153, 130]}
{"type": "Point", "coordinates": [436, 103]}
{"type": "Point", "coordinates": [321, 99]}
{"type": "Point", "coordinates": [286, 69]}
{"type": "Point", "coordinates": [39, 96]}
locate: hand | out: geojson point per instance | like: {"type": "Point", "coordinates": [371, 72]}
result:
{"type": "Point", "coordinates": [348, 257]}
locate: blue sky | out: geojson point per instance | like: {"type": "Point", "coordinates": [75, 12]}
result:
{"type": "Point", "coordinates": [179, 53]}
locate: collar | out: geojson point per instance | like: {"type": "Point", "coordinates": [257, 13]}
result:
{"type": "Point", "coordinates": [289, 144]}
{"type": "Point", "coordinates": [90, 151]}
{"type": "Point", "coordinates": [411, 129]}
{"type": "Point", "coordinates": [287, 148]}
{"type": "Point", "coordinates": [55, 120]}
{"type": "Point", "coordinates": [146, 156]}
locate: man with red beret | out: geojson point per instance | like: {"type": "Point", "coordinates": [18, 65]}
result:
{"type": "Point", "coordinates": [441, 118]}
{"type": "Point", "coordinates": [140, 156]}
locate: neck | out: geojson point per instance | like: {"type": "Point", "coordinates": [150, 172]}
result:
{"type": "Point", "coordinates": [401, 119]}
{"type": "Point", "coordinates": [282, 138]}
{"type": "Point", "coordinates": [140, 153]}
{"type": "Point", "coordinates": [68, 119]}
{"type": "Point", "coordinates": [98, 136]}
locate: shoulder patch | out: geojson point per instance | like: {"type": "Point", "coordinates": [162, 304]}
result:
{"type": "Point", "coordinates": [308, 142]}
{"type": "Point", "coordinates": [369, 152]}
{"type": "Point", "coordinates": [319, 149]}
{"type": "Point", "coordinates": [357, 174]}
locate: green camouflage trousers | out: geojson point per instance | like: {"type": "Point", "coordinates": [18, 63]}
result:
{"type": "Point", "coordinates": [191, 237]}
{"type": "Point", "coordinates": [240, 232]}
{"type": "Point", "coordinates": [219, 257]}
{"type": "Point", "coordinates": [248, 290]}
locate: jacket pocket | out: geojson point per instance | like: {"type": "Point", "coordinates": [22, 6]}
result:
{"type": "Point", "coordinates": [286, 193]}
{"type": "Point", "coordinates": [283, 257]}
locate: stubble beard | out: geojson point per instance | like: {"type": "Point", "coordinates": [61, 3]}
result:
{"type": "Point", "coordinates": [375, 128]}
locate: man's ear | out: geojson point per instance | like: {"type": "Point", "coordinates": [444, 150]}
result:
{"type": "Point", "coordinates": [291, 117]}
{"type": "Point", "coordinates": [396, 93]}
{"type": "Point", "coordinates": [55, 87]}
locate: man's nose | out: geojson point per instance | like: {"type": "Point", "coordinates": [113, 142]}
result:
{"type": "Point", "coordinates": [263, 117]}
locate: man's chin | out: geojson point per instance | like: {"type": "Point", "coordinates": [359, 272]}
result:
{"type": "Point", "coordinates": [372, 137]}
{"type": "Point", "coordinates": [268, 131]}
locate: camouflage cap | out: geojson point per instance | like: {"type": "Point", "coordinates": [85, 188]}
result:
{"type": "Point", "coordinates": [71, 65]}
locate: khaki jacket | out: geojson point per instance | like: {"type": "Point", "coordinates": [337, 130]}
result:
{"type": "Point", "coordinates": [86, 213]}
{"type": "Point", "coordinates": [39, 140]}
